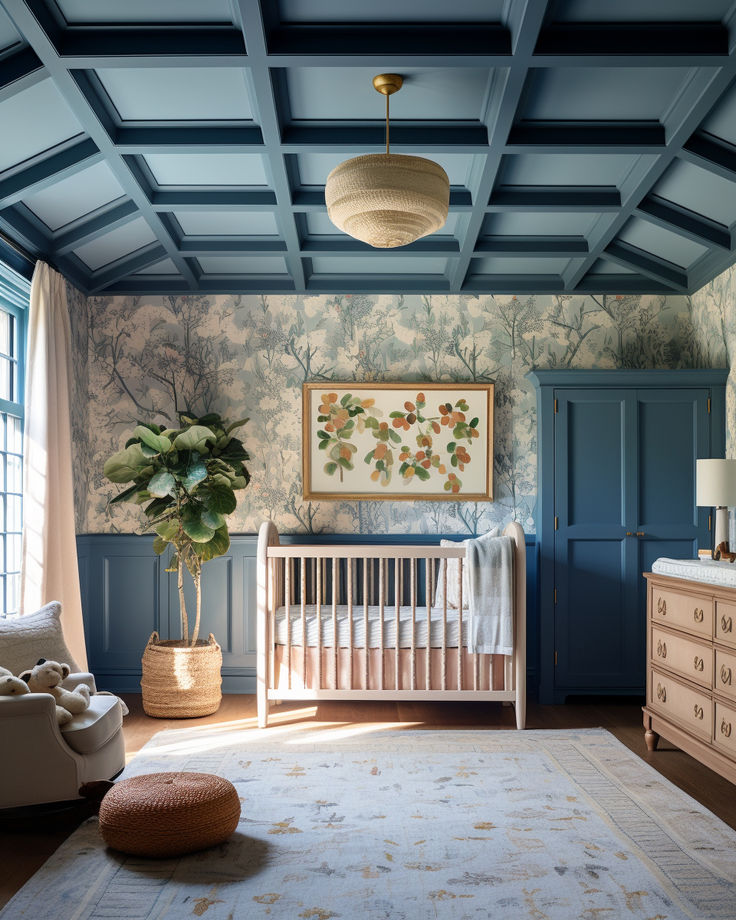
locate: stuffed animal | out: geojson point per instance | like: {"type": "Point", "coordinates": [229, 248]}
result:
{"type": "Point", "coordinates": [10, 685]}
{"type": "Point", "coordinates": [46, 677]}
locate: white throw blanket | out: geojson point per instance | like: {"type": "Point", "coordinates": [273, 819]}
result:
{"type": "Point", "coordinates": [489, 561]}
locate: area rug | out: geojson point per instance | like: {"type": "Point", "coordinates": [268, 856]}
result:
{"type": "Point", "coordinates": [411, 825]}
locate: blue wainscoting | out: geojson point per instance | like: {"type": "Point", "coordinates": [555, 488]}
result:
{"type": "Point", "coordinates": [127, 594]}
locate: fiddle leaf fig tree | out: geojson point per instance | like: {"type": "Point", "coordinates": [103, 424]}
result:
{"type": "Point", "coordinates": [186, 479]}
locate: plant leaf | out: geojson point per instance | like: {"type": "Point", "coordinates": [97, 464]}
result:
{"type": "Point", "coordinates": [219, 497]}
{"type": "Point", "coordinates": [125, 494]}
{"type": "Point", "coordinates": [159, 545]}
{"type": "Point", "coordinates": [162, 484]}
{"type": "Point", "coordinates": [233, 425]}
{"type": "Point", "coordinates": [157, 442]}
{"type": "Point", "coordinates": [213, 519]}
{"type": "Point", "coordinates": [217, 546]}
{"type": "Point", "coordinates": [195, 438]}
{"type": "Point", "coordinates": [196, 473]}
{"type": "Point", "coordinates": [125, 465]}
{"type": "Point", "coordinates": [194, 527]}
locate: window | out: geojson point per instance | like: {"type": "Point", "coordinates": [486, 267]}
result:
{"type": "Point", "coordinates": [14, 298]}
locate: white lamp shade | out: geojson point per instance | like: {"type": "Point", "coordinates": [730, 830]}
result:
{"type": "Point", "coordinates": [716, 483]}
{"type": "Point", "coordinates": [387, 199]}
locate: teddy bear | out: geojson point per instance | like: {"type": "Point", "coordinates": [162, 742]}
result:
{"type": "Point", "coordinates": [10, 685]}
{"type": "Point", "coordinates": [46, 677]}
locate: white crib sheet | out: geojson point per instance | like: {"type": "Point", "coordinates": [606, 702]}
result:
{"type": "Point", "coordinates": [707, 570]}
{"type": "Point", "coordinates": [358, 638]}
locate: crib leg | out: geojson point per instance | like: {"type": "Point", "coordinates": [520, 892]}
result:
{"type": "Point", "coordinates": [520, 708]}
{"type": "Point", "coordinates": [262, 706]}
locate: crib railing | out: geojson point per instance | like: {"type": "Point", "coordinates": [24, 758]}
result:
{"type": "Point", "coordinates": [325, 577]}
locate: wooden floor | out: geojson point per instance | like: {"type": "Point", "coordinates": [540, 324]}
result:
{"type": "Point", "coordinates": [25, 845]}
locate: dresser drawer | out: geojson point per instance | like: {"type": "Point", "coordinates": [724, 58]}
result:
{"type": "Point", "coordinates": [724, 674]}
{"type": "Point", "coordinates": [726, 623]}
{"type": "Point", "coordinates": [725, 729]}
{"type": "Point", "coordinates": [683, 705]}
{"type": "Point", "coordinates": [692, 613]}
{"type": "Point", "coordinates": [687, 657]}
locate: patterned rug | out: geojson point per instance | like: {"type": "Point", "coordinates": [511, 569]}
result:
{"type": "Point", "coordinates": [411, 825]}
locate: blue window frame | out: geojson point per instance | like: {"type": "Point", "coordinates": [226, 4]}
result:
{"type": "Point", "coordinates": [14, 301]}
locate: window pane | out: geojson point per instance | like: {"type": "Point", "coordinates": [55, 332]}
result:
{"type": "Point", "coordinates": [5, 321]}
{"type": "Point", "coordinates": [5, 374]}
{"type": "Point", "coordinates": [15, 474]}
{"type": "Point", "coordinates": [13, 589]}
{"type": "Point", "coordinates": [15, 434]}
{"type": "Point", "coordinates": [14, 519]}
{"type": "Point", "coordinates": [13, 542]}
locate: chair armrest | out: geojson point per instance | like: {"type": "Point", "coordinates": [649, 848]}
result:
{"type": "Point", "coordinates": [27, 705]}
{"type": "Point", "coordinates": [80, 677]}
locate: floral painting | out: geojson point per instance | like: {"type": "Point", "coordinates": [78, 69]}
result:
{"type": "Point", "coordinates": [393, 441]}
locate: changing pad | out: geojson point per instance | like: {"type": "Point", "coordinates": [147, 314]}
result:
{"type": "Point", "coordinates": [707, 570]}
{"type": "Point", "coordinates": [358, 637]}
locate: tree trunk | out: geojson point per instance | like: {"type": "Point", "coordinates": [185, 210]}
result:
{"type": "Point", "coordinates": [198, 586]}
{"type": "Point", "coordinates": [182, 602]}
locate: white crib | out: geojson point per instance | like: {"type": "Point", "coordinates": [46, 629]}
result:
{"type": "Point", "coordinates": [348, 622]}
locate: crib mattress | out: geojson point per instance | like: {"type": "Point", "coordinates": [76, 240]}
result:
{"type": "Point", "coordinates": [707, 570]}
{"type": "Point", "coordinates": [374, 624]}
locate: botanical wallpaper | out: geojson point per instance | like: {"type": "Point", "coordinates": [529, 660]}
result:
{"type": "Point", "coordinates": [248, 355]}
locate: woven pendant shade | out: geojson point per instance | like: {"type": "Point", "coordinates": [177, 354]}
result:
{"type": "Point", "coordinates": [387, 199]}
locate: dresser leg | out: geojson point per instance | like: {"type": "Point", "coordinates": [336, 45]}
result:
{"type": "Point", "coordinates": [651, 738]}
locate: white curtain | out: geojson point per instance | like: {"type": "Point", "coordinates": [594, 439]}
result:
{"type": "Point", "coordinates": [49, 563]}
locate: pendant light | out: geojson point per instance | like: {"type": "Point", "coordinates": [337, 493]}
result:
{"type": "Point", "coordinates": [387, 199]}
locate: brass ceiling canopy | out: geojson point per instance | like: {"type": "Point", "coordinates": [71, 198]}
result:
{"type": "Point", "coordinates": [388, 199]}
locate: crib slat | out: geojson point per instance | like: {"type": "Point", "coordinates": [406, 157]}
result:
{"type": "Point", "coordinates": [461, 601]}
{"type": "Point", "coordinates": [350, 623]}
{"type": "Point", "coordinates": [413, 662]}
{"type": "Point", "coordinates": [381, 600]}
{"type": "Point", "coordinates": [428, 609]}
{"type": "Point", "coordinates": [444, 627]}
{"type": "Point", "coordinates": [272, 603]}
{"type": "Point", "coordinates": [397, 607]}
{"type": "Point", "coordinates": [287, 591]}
{"type": "Point", "coordinates": [303, 603]}
{"type": "Point", "coordinates": [318, 573]}
{"type": "Point", "coordinates": [365, 623]}
{"type": "Point", "coordinates": [335, 642]}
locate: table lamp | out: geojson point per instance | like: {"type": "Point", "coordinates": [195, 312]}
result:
{"type": "Point", "coordinates": [716, 487]}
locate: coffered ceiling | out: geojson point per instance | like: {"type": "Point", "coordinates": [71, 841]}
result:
{"type": "Point", "coordinates": [183, 145]}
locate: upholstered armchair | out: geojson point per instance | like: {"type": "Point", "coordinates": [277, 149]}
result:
{"type": "Point", "coordinates": [40, 761]}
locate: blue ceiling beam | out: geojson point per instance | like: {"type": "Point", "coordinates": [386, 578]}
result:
{"type": "Point", "coordinates": [31, 23]}
{"type": "Point", "coordinates": [247, 284]}
{"type": "Point", "coordinates": [26, 233]}
{"type": "Point", "coordinates": [505, 93]}
{"type": "Point", "coordinates": [378, 284]}
{"type": "Point", "coordinates": [696, 100]}
{"type": "Point", "coordinates": [714, 155]}
{"type": "Point", "coordinates": [561, 198]}
{"type": "Point", "coordinates": [171, 45]}
{"type": "Point", "coordinates": [343, 245]}
{"type": "Point", "coordinates": [513, 246]}
{"type": "Point", "coordinates": [213, 200]}
{"type": "Point", "coordinates": [684, 222]}
{"type": "Point", "coordinates": [47, 170]}
{"type": "Point", "coordinates": [710, 266]}
{"type": "Point", "coordinates": [313, 199]}
{"type": "Point", "coordinates": [586, 137]}
{"type": "Point", "coordinates": [688, 43]}
{"type": "Point", "coordinates": [20, 71]}
{"type": "Point", "coordinates": [511, 284]}
{"type": "Point", "coordinates": [90, 227]}
{"type": "Point", "coordinates": [128, 265]}
{"type": "Point", "coordinates": [377, 41]}
{"type": "Point", "coordinates": [645, 263]}
{"type": "Point", "coordinates": [236, 246]}
{"type": "Point", "coordinates": [250, 18]}
{"type": "Point", "coordinates": [189, 139]}
{"type": "Point", "coordinates": [429, 137]}
{"type": "Point", "coordinates": [615, 283]}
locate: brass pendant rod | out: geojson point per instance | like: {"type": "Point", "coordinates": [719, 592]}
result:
{"type": "Point", "coordinates": [387, 99]}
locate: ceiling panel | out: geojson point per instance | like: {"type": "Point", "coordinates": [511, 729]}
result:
{"type": "Point", "coordinates": [188, 142]}
{"type": "Point", "coordinates": [177, 93]}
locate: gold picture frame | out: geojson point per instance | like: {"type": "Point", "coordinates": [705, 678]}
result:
{"type": "Point", "coordinates": [395, 441]}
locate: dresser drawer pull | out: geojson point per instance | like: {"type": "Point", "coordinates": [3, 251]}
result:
{"type": "Point", "coordinates": [726, 624]}
{"type": "Point", "coordinates": [661, 693]}
{"type": "Point", "coordinates": [698, 614]}
{"type": "Point", "coordinates": [726, 729]}
{"type": "Point", "coordinates": [698, 711]}
{"type": "Point", "coordinates": [662, 649]}
{"type": "Point", "coordinates": [662, 606]}
{"type": "Point", "coordinates": [698, 663]}
{"type": "Point", "coordinates": [725, 675]}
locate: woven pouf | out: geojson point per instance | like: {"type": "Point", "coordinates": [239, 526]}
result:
{"type": "Point", "coordinates": [168, 814]}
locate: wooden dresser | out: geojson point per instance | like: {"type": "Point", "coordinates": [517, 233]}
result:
{"type": "Point", "coordinates": [691, 669]}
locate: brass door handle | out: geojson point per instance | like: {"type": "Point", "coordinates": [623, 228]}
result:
{"type": "Point", "coordinates": [698, 711]}
{"type": "Point", "coordinates": [662, 649]}
{"type": "Point", "coordinates": [698, 663]}
{"type": "Point", "coordinates": [726, 728]}
{"type": "Point", "coordinates": [726, 624]}
{"type": "Point", "coordinates": [640, 533]}
{"type": "Point", "coordinates": [629, 533]}
{"type": "Point", "coordinates": [661, 693]}
{"type": "Point", "coordinates": [698, 615]}
{"type": "Point", "coordinates": [725, 674]}
{"type": "Point", "coordinates": [662, 606]}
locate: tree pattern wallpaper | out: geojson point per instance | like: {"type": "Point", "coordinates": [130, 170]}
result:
{"type": "Point", "coordinates": [147, 358]}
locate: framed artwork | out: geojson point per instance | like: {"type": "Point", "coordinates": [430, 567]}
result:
{"type": "Point", "coordinates": [398, 440]}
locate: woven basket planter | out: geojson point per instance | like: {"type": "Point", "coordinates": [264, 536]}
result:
{"type": "Point", "coordinates": [180, 681]}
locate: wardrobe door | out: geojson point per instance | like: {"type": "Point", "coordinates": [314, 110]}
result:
{"type": "Point", "coordinates": [594, 501]}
